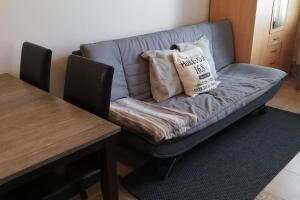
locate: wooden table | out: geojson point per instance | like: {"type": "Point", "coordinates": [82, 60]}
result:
{"type": "Point", "coordinates": [39, 131]}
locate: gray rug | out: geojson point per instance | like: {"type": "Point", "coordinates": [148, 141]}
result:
{"type": "Point", "coordinates": [236, 164]}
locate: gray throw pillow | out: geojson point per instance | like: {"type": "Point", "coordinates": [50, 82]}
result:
{"type": "Point", "coordinates": [164, 79]}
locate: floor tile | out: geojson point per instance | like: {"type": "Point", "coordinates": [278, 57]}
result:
{"type": "Point", "coordinates": [294, 165]}
{"type": "Point", "coordinates": [267, 196]}
{"type": "Point", "coordinates": [285, 185]}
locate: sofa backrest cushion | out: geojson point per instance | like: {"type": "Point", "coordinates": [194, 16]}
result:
{"type": "Point", "coordinates": [108, 53]}
{"type": "Point", "coordinates": [137, 69]}
{"type": "Point", "coordinates": [131, 76]}
{"type": "Point", "coordinates": [222, 44]}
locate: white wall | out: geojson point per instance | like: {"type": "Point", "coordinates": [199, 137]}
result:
{"type": "Point", "coordinates": [63, 25]}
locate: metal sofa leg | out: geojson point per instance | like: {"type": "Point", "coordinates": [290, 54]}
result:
{"type": "Point", "coordinates": [165, 167]}
{"type": "Point", "coordinates": [263, 109]}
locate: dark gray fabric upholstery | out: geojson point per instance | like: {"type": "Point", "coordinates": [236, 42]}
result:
{"type": "Point", "coordinates": [136, 69]}
{"type": "Point", "coordinates": [132, 79]}
{"type": "Point", "coordinates": [177, 146]}
{"type": "Point", "coordinates": [240, 84]}
{"type": "Point", "coordinates": [132, 71]}
{"type": "Point", "coordinates": [108, 53]}
{"type": "Point", "coordinates": [222, 44]}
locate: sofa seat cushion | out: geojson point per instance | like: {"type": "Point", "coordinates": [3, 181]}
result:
{"type": "Point", "coordinates": [240, 84]}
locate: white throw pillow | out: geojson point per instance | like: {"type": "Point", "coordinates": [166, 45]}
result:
{"type": "Point", "coordinates": [194, 71]}
{"type": "Point", "coordinates": [164, 79]}
{"type": "Point", "coordinates": [203, 43]}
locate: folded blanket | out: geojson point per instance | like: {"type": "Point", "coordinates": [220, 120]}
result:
{"type": "Point", "coordinates": [158, 122]}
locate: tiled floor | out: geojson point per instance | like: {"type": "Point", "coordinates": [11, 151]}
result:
{"type": "Point", "coordinates": [288, 98]}
{"type": "Point", "coordinates": [286, 186]}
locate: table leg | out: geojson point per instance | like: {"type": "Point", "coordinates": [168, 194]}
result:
{"type": "Point", "coordinates": [109, 179]}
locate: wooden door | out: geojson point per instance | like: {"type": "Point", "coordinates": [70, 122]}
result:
{"type": "Point", "coordinates": [241, 13]}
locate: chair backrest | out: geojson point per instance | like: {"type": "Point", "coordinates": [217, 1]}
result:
{"type": "Point", "coordinates": [88, 85]}
{"type": "Point", "coordinates": [35, 65]}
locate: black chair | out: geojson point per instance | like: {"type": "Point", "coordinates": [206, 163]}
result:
{"type": "Point", "coordinates": [88, 85]}
{"type": "Point", "coordinates": [35, 65]}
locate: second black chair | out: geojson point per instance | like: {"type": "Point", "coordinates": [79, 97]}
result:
{"type": "Point", "coordinates": [88, 85]}
{"type": "Point", "coordinates": [35, 65]}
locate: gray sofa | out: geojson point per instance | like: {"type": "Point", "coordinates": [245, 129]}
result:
{"type": "Point", "coordinates": [244, 87]}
